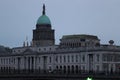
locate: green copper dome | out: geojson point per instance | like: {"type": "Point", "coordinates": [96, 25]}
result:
{"type": "Point", "coordinates": [43, 20]}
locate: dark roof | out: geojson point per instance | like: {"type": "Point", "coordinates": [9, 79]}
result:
{"type": "Point", "coordinates": [4, 50]}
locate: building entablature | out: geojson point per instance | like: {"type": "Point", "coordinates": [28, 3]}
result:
{"type": "Point", "coordinates": [46, 49]}
{"type": "Point", "coordinates": [90, 49]}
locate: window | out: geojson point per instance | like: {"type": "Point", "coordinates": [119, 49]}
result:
{"type": "Point", "coordinates": [14, 60]}
{"type": "Point", "coordinates": [68, 58]}
{"type": "Point", "coordinates": [6, 60]}
{"type": "Point", "coordinates": [72, 58]}
{"type": "Point", "coordinates": [97, 57]}
{"type": "Point", "coordinates": [83, 58]}
{"type": "Point", "coordinates": [39, 69]}
{"type": "Point", "coordinates": [57, 67]}
{"type": "Point", "coordinates": [111, 57]}
{"type": "Point", "coordinates": [50, 59]}
{"type": "Point", "coordinates": [60, 67]}
{"type": "Point", "coordinates": [64, 59]}
{"type": "Point", "coordinates": [83, 68]}
{"type": "Point", "coordinates": [50, 68]}
{"type": "Point", "coordinates": [9, 60]}
{"type": "Point", "coordinates": [39, 59]}
{"type": "Point", "coordinates": [1, 61]}
{"type": "Point", "coordinates": [80, 44]}
{"type": "Point", "coordinates": [104, 58]}
{"type": "Point", "coordinates": [97, 68]}
{"type": "Point", "coordinates": [44, 49]}
{"type": "Point", "coordinates": [80, 58]}
{"type": "Point", "coordinates": [76, 58]}
{"type": "Point", "coordinates": [39, 49]}
{"type": "Point", "coordinates": [56, 59]}
{"type": "Point", "coordinates": [60, 59]}
{"type": "Point", "coordinates": [18, 50]}
{"type": "Point", "coordinates": [14, 51]}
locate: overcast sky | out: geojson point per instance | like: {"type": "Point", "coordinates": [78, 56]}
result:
{"type": "Point", "coordinates": [95, 17]}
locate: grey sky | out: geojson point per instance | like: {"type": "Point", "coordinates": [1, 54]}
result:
{"type": "Point", "coordinates": [95, 17]}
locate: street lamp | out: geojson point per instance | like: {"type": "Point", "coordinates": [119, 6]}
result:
{"type": "Point", "coordinates": [89, 78]}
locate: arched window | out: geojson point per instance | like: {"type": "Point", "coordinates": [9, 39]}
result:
{"type": "Point", "coordinates": [68, 70]}
{"type": "Point", "coordinates": [72, 69]}
{"type": "Point", "coordinates": [77, 70]}
{"type": "Point", "coordinates": [64, 69]}
{"type": "Point", "coordinates": [60, 67]}
{"type": "Point", "coordinates": [56, 67]}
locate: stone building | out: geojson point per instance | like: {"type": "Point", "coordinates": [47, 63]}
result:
{"type": "Point", "coordinates": [80, 53]}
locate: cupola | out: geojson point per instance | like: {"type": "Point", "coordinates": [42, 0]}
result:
{"type": "Point", "coordinates": [44, 19]}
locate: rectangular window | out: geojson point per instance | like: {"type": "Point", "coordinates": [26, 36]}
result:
{"type": "Point", "coordinates": [1, 61]}
{"type": "Point", "coordinates": [80, 58]}
{"type": "Point", "coordinates": [14, 60]}
{"type": "Point", "coordinates": [44, 49]}
{"type": "Point", "coordinates": [50, 49]}
{"type": "Point", "coordinates": [39, 59]}
{"type": "Point", "coordinates": [50, 59]}
{"type": "Point", "coordinates": [60, 59]}
{"type": "Point", "coordinates": [97, 68]}
{"type": "Point", "coordinates": [83, 67]}
{"type": "Point", "coordinates": [68, 58]}
{"type": "Point", "coordinates": [64, 59]}
{"type": "Point", "coordinates": [39, 49]}
{"type": "Point", "coordinates": [72, 58]}
{"type": "Point", "coordinates": [56, 59]}
{"type": "Point", "coordinates": [76, 58]}
{"type": "Point", "coordinates": [9, 60]}
{"type": "Point", "coordinates": [6, 61]}
{"type": "Point", "coordinates": [83, 58]}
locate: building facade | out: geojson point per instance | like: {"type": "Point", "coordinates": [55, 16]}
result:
{"type": "Point", "coordinates": [79, 53]}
